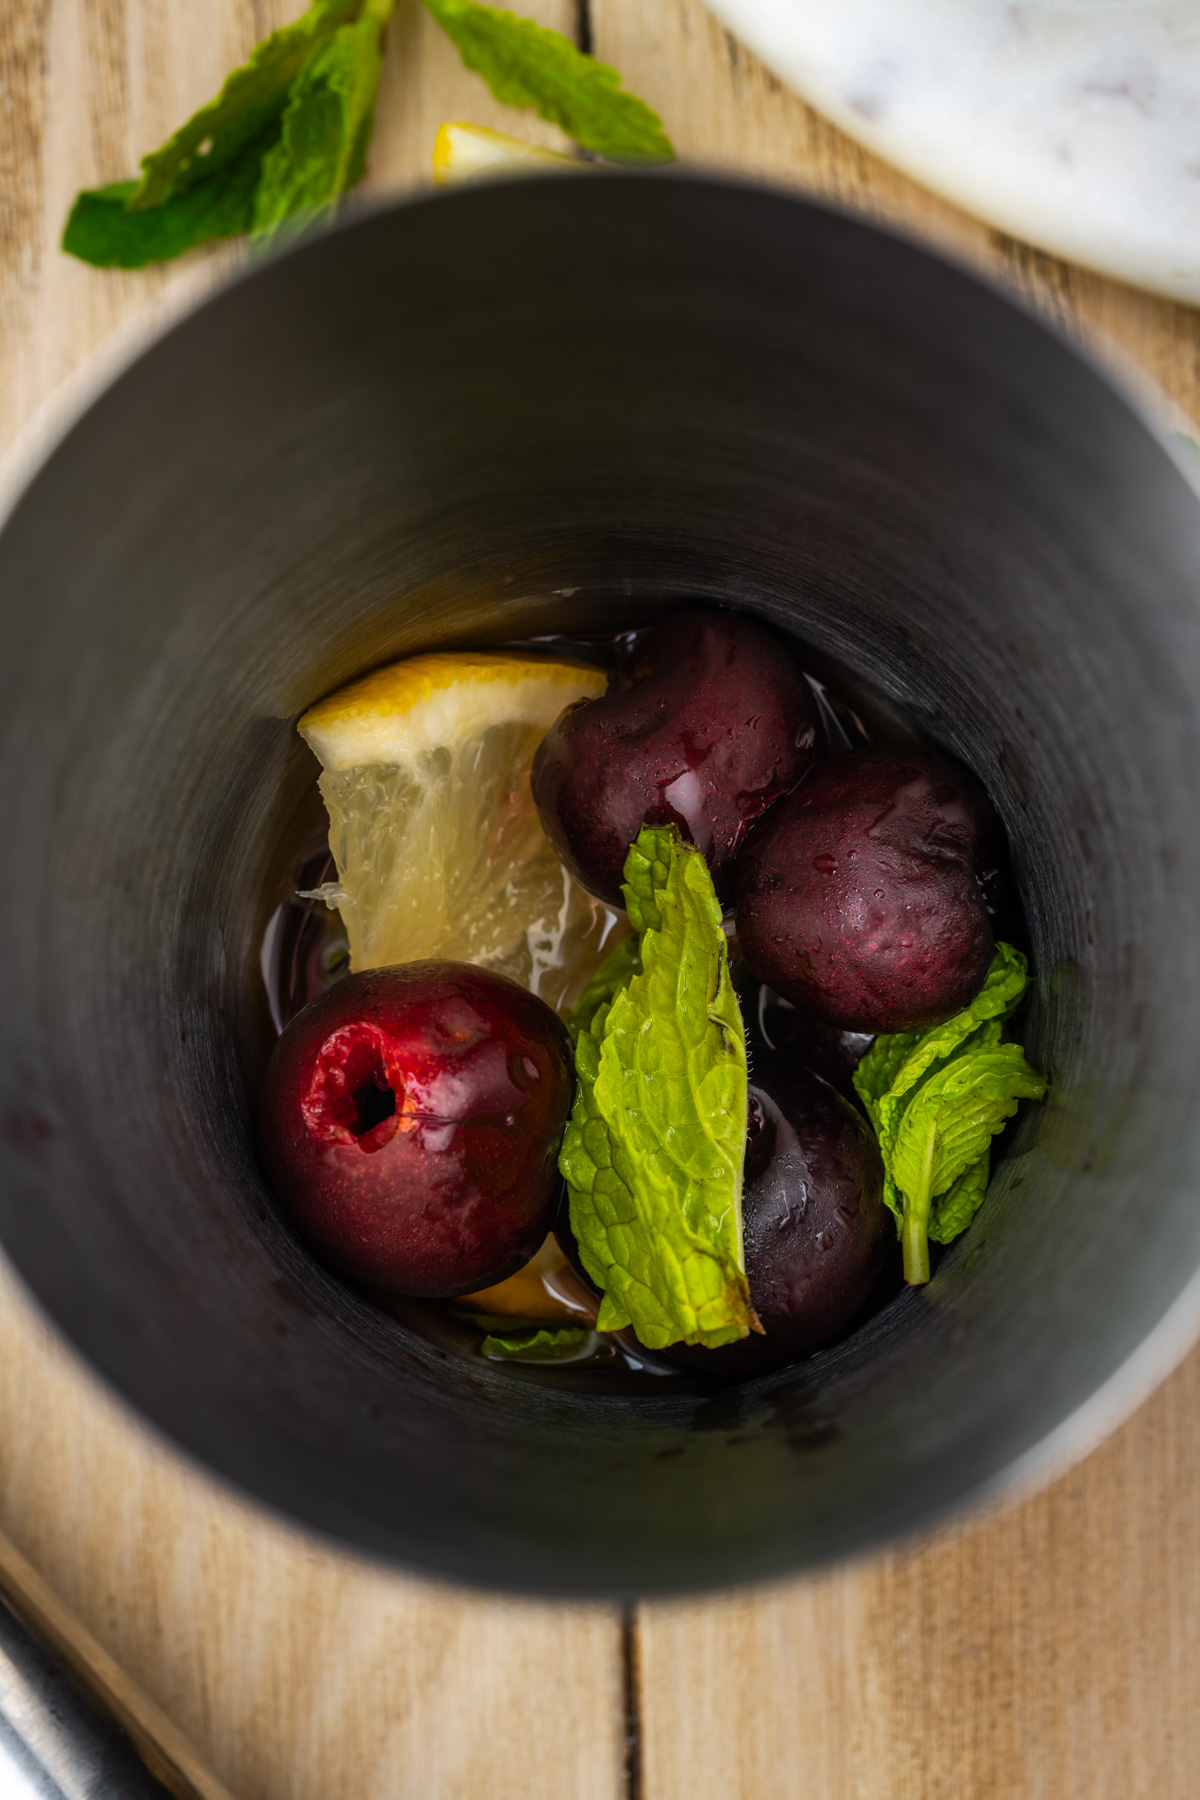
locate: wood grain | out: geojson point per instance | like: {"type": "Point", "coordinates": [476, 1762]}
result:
{"type": "Point", "coordinates": [1051, 1651]}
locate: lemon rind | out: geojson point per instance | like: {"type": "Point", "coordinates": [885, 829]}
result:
{"type": "Point", "coordinates": [412, 707]}
{"type": "Point", "coordinates": [464, 152]}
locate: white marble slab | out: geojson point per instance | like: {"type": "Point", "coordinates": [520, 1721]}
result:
{"type": "Point", "coordinates": [1074, 123]}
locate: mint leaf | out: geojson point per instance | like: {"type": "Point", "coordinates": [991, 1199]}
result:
{"type": "Point", "coordinates": [101, 229]}
{"type": "Point", "coordinates": [286, 135]}
{"type": "Point", "coordinates": [936, 1099]}
{"type": "Point", "coordinates": [653, 1151]}
{"type": "Point", "coordinates": [648, 866]}
{"type": "Point", "coordinates": [960, 1109]}
{"type": "Point", "coordinates": [952, 1212]}
{"type": "Point", "coordinates": [325, 129]}
{"type": "Point", "coordinates": [526, 65]}
{"type": "Point", "coordinates": [947, 1126]}
{"type": "Point", "coordinates": [922, 1063]}
{"type": "Point", "coordinates": [252, 98]}
{"type": "Point", "coordinates": [568, 1343]}
{"type": "Point", "coordinates": [1001, 992]}
{"type": "Point", "coordinates": [615, 972]}
{"type": "Point", "coordinates": [893, 1199]}
{"type": "Point", "coordinates": [877, 1070]}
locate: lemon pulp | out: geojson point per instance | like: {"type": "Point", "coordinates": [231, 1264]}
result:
{"type": "Point", "coordinates": [437, 842]}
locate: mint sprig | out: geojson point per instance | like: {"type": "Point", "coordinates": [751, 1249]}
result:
{"type": "Point", "coordinates": [287, 136]}
{"type": "Point", "coordinates": [653, 1151]}
{"type": "Point", "coordinates": [936, 1099]}
{"type": "Point", "coordinates": [252, 98]}
{"type": "Point", "coordinates": [205, 182]}
{"type": "Point", "coordinates": [325, 129]}
{"type": "Point", "coordinates": [527, 65]}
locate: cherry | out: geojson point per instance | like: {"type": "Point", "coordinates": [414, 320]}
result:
{"type": "Point", "coordinates": [864, 896]}
{"type": "Point", "coordinates": [410, 1123]}
{"type": "Point", "coordinates": [815, 1227]}
{"type": "Point", "coordinates": [709, 722]}
{"type": "Point", "coordinates": [774, 1025]}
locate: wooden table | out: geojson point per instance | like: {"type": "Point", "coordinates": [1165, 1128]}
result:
{"type": "Point", "coordinates": [1051, 1651]}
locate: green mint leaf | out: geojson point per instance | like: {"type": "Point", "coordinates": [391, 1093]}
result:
{"type": "Point", "coordinates": [205, 181]}
{"type": "Point", "coordinates": [936, 1099]}
{"type": "Point", "coordinates": [325, 129]}
{"type": "Point", "coordinates": [952, 1118]}
{"type": "Point", "coordinates": [653, 1151]}
{"type": "Point", "coordinates": [252, 98]}
{"type": "Point", "coordinates": [921, 1064]}
{"type": "Point", "coordinates": [526, 65]}
{"type": "Point", "coordinates": [599, 1187]}
{"type": "Point", "coordinates": [946, 1127]}
{"type": "Point", "coordinates": [101, 229]}
{"type": "Point", "coordinates": [618, 968]}
{"type": "Point", "coordinates": [647, 872]}
{"type": "Point", "coordinates": [568, 1343]}
{"type": "Point", "coordinates": [879, 1067]}
{"type": "Point", "coordinates": [952, 1212]}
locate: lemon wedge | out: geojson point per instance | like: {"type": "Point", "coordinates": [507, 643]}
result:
{"type": "Point", "coordinates": [462, 152]}
{"type": "Point", "coordinates": [437, 842]}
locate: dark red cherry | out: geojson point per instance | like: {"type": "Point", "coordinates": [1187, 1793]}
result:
{"type": "Point", "coordinates": [816, 1229]}
{"type": "Point", "coordinates": [863, 897]}
{"type": "Point", "coordinates": [774, 1027]}
{"type": "Point", "coordinates": [710, 722]}
{"type": "Point", "coordinates": [410, 1123]}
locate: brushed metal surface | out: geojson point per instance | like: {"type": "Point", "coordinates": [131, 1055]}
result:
{"type": "Point", "coordinates": [555, 407]}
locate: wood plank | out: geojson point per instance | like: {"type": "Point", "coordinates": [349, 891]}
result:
{"type": "Point", "coordinates": [1053, 1650]}
{"type": "Point", "coordinates": [285, 1668]}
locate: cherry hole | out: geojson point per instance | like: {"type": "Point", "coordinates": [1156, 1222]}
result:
{"type": "Point", "coordinates": [350, 1094]}
{"type": "Point", "coordinates": [372, 1105]}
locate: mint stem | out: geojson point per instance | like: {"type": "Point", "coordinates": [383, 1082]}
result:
{"type": "Point", "coordinates": [914, 1232]}
{"type": "Point", "coordinates": [914, 1239]}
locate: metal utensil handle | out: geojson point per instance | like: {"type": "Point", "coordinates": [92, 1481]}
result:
{"type": "Point", "coordinates": [54, 1744]}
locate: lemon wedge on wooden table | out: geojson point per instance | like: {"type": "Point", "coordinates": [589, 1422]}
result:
{"type": "Point", "coordinates": [437, 842]}
{"type": "Point", "coordinates": [462, 152]}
